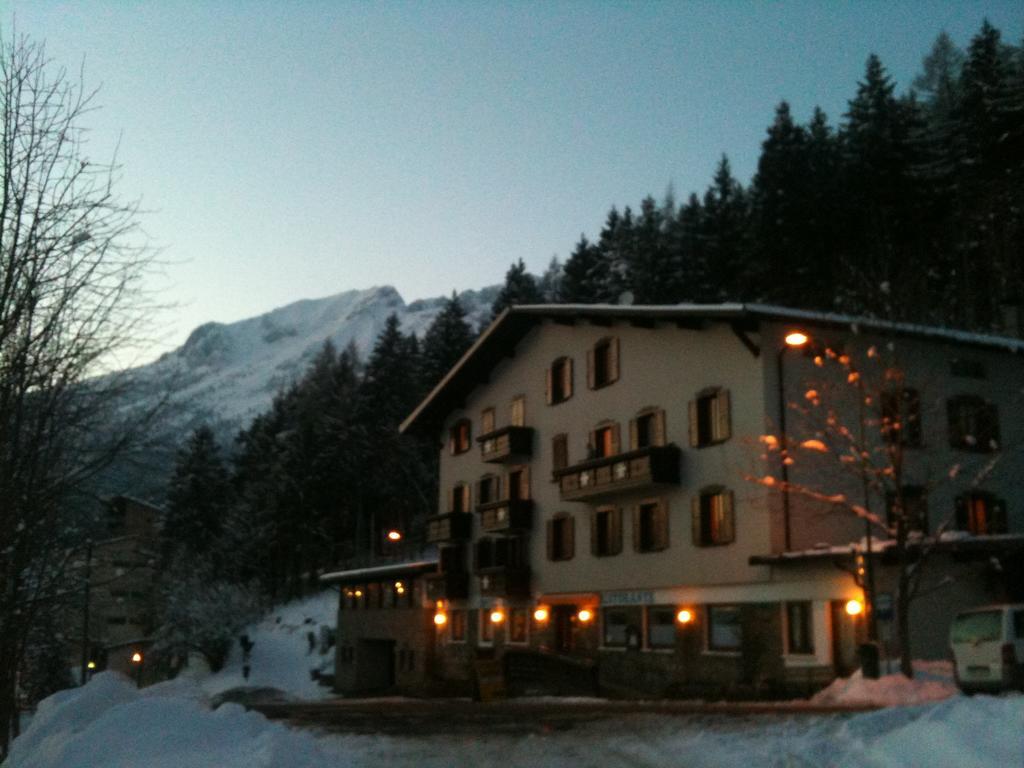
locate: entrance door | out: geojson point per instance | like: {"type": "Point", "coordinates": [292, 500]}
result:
{"type": "Point", "coordinates": [844, 640]}
{"type": "Point", "coordinates": [375, 665]}
{"type": "Point", "coordinates": [563, 617]}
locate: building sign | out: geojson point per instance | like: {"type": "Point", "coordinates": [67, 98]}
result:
{"type": "Point", "coordinates": [642, 597]}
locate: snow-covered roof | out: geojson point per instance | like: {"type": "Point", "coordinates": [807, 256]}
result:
{"type": "Point", "coordinates": [379, 572]}
{"type": "Point", "coordinates": [951, 541]}
{"type": "Point", "coordinates": [508, 329]}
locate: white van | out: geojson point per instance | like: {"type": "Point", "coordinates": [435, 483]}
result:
{"type": "Point", "coordinates": [987, 646]}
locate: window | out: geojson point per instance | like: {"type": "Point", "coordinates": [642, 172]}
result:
{"type": "Point", "coordinates": [650, 526]}
{"type": "Point", "coordinates": [725, 631]}
{"type": "Point", "coordinates": [604, 441]}
{"type": "Point", "coordinates": [487, 421]}
{"type": "Point", "coordinates": [973, 424]}
{"type": "Point", "coordinates": [518, 622]}
{"type": "Point", "coordinates": [621, 627]}
{"type": "Point", "coordinates": [561, 530]}
{"type": "Point", "coordinates": [457, 625]}
{"type": "Point", "coordinates": [559, 452]}
{"type": "Point", "coordinates": [710, 420]}
{"type": "Point", "coordinates": [459, 437]}
{"type": "Point", "coordinates": [452, 559]}
{"type": "Point", "coordinates": [661, 627]}
{"type": "Point", "coordinates": [488, 489]}
{"type": "Point", "coordinates": [559, 384]}
{"type": "Point", "coordinates": [499, 552]}
{"type": "Point", "coordinates": [980, 513]}
{"type": "Point", "coordinates": [913, 514]}
{"type": "Point", "coordinates": [901, 417]}
{"type": "Point", "coordinates": [517, 411]}
{"type": "Point", "coordinates": [647, 429]}
{"type": "Point", "coordinates": [486, 626]}
{"type": "Point", "coordinates": [518, 483]}
{"type": "Point", "coordinates": [606, 532]}
{"type": "Point", "coordinates": [799, 632]}
{"type": "Point", "coordinates": [459, 501]}
{"type": "Point", "coordinates": [713, 517]}
{"type": "Point", "coordinates": [603, 363]}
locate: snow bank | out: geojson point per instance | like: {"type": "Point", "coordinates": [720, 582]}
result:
{"type": "Point", "coordinates": [280, 656]}
{"type": "Point", "coordinates": [933, 681]}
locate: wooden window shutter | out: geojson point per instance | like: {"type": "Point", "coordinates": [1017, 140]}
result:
{"type": "Point", "coordinates": [613, 359]}
{"type": "Point", "coordinates": [592, 447]}
{"type": "Point", "coordinates": [465, 497]}
{"type": "Point", "coordinates": [560, 451]}
{"type": "Point", "coordinates": [567, 378]}
{"type": "Point", "coordinates": [634, 439]}
{"type": "Point", "coordinates": [551, 539]}
{"type": "Point", "coordinates": [615, 545]}
{"type": "Point", "coordinates": [695, 521]}
{"type": "Point", "coordinates": [548, 388]}
{"type": "Point", "coordinates": [659, 427]}
{"type": "Point", "coordinates": [961, 512]}
{"type": "Point", "coordinates": [636, 528]}
{"type": "Point", "coordinates": [591, 369]}
{"type": "Point", "coordinates": [595, 520]}
{"type": "Point", "coordinates": [661, 525]}
{"type": "Point", "coordinates": [616, 439]}
{"type": "Point", "coordinates": [524, 482]}
{"type": "Point", "coordinates": [694, 432]}
{"type": "Point", "coordinates": [728, 529]}
{"type": "Point", "coordinates": [723, 417]}
{"type": "Point", "coordinates": [570, 538]}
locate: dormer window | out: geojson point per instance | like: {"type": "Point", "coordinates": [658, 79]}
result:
{"type": "Point", "coordinates": [603, 363]}
{"type": "Point", "coordinates": [459, 437]}
{"type": "Point", "coordinates": [559, 383]}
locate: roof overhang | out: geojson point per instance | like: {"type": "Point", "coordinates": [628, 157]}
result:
{"type": "Point", "coordinates": [966, 547]}
{"type": "Point", "coordinates": [501, 337]}
{"type": "Point", "coordinates": [392, 570]}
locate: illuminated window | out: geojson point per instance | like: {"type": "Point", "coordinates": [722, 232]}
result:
{"type": "Point", "coordinates": [459, 437]}
{"type": "Point", "coordinates": [661, 627]}
{"type": "Point", "coordinates": [559, 382]}
{"type": "Point", "coordinates": [604, 441]}
{"type": "Point", "coordinates": [981, 513]}
{"type": "Point", "coordinates": [799, 633]}
{"type": "Point", "coordinates": [713, 517]}
{"type": "Point", "coordinates": [459, 501]}
{"type": "Point", "coordinates": [619, 625]}
{"type": "Point", "coordinates": [457, 625]}
{"type": "Point", "coordinates": [518, 625]}
{"type": "Point", "coordinates": [603, 363]}
{"type": "Point", "coordinates": [486, 626]}
{"type": "Point", "coordinates": [710, 418]}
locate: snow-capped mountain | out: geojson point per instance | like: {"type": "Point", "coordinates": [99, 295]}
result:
{"type": "Point", "coordinates": [227, 373]}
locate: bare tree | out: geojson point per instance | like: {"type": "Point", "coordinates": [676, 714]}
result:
{"type": "Point", "coordinates": [72, 263]}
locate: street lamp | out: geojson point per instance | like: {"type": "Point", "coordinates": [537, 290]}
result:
{"type": "Point", "coordinates": [793, 340]}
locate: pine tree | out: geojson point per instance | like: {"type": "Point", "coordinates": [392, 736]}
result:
{"type": "Point", "coordinates": [938, 81]}
{"type": "Point", "coordinates": [197, 497]}
{"type": "Point", "coordinates": [725, 234]}
{"type": "Point", "coordinates": [520, 288]}
{"type": "Point", "coordinates": [550, 283]}
{"type": "Point", "coordinates": [445, 341]}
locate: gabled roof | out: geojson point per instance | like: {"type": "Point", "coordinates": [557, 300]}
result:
{"type": "Point", "coordinates": [391, 570]}
{"type": "Point", "coordinates": [500, 338]}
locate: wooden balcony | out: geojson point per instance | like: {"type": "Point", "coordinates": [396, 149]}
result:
{"type": "Point", "coordinates": [610, 475]}
{"type": "Point", "coordinates": [506, 515]}
{"type": "Point", "coordinates": [453, 526]}
{"type": "Point", "coordinates": [506, 444]}
{"type": "Point", "coordinates": [504, 581]}
{"type": "Point", "coordinates": [447, 586]}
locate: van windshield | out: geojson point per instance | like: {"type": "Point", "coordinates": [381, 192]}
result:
{"type": "Point", "coordinates": [975, 627]}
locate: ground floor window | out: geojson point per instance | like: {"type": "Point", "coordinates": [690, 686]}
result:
{"type": "Point", "coordinates": [518, 621]}
{"type": "Point", "coordinates": [725, 631]}
{"type": "Point", "coordinates": [457, 624]}
{"type": "Point", "coordinates": [486, 627]}
{"type": "Point", "coordinates": [661, 627]}
{"type": "Point", "coordinates": [799, 631]}
{"type": "Point", "coordinates": [621, 627]}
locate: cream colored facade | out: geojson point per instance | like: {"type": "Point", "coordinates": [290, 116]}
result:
{"type": "Point", "coordinates": [667, 358]}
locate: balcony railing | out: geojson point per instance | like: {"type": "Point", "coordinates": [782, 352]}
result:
{"type": "Point", "coordinates": [610, 475]}
{"type": "Point", "coordinates": [505, 444]}
{"type": "Point", "coordinates": [506, 515]}
{"type": "Point", "coordinates": [504, 581]}
{"type": "Point", "coordinates": [447, 586]}
{"type": "Point", "coordinates": [453, 526]}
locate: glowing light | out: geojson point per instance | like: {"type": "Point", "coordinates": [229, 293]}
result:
{"type": "Point", "coordinates": [359, 593]}
{"type": "Point", "coordinates": [853, 378]}
{"type": "Point", "coordinates": [585, 615]}
{"type": "Point", "coordinates": [811, 394]}
{"type": "Point", "coordinates": [796, 339]}
{"type": "Point", "coordinates": [497, 617]}
{"type": "Point", "coordinates": [440, 618]}
{"type": "Point", "coordinates": [684, 616]}
{"type": "Point", "coordinates": [136, 658]}
{"type": "Point", "coordinates": [854, 607]}
{"type": "Point", "coordinates": [768, 480]}
{"type": "Point", "coordinates": [770, 440]}
{"type": "Point", "coordinates": [91, 665]}
{"type": "Point", "coordinates": [394, 535]}
{"type": "Point", "coordinates": [814, 445]}
{"type": "Point", "coordinates": [541, 614]}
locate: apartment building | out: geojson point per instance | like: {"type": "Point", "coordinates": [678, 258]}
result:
{"type": "Point", "coordinates": [674, 499]}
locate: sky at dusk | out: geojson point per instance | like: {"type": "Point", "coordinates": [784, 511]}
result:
{"type": "Point", "coordinates": [290, 150]}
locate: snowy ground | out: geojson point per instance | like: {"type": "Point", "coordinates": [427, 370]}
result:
{"type": "Point", "coordinates": [111, 724]}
